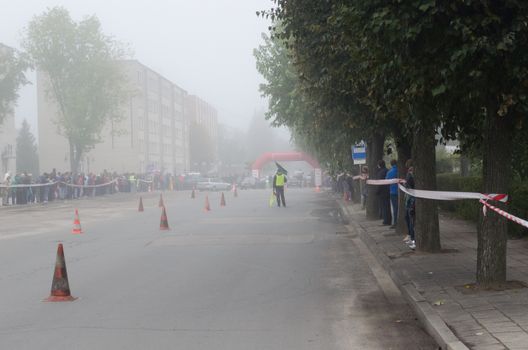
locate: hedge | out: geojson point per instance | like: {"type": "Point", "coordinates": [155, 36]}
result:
{"type": "Point", "coordinates": [469, 209]}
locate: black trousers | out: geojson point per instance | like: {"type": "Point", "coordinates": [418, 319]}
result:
{"type": "Point", "coordinates": [385, 210]}
{"type": "Point", "coordinates": [279, 192]}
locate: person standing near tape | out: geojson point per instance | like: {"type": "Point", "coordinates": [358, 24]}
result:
{"type": "Point", "coordinates": [279, 180]}
{"type": "Point", "coordinates": [410, 206]}
{"type": "Point", "coordinates": [363, 186]}
{"type": "Point", "coordinates": [383, 192]}
{"type": "Point", "coordinates": [393, 174]}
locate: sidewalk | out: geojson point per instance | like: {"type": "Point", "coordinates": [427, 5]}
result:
{"type": "Point", "coordinates": [434, 284]}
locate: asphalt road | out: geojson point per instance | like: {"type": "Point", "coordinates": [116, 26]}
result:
{"type": "Point", "coordinates": [241, 277]}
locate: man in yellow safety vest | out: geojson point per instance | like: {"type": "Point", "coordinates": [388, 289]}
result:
{"type": "Point", "coordinates": [278, 187]}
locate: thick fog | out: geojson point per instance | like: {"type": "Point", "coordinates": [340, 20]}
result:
{"type": "Point", "coordinates": [203, 46]}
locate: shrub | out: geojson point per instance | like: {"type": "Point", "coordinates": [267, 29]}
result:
{"type": "Point", "coordinates": [467, 208]}
{"type": "Point", "coordinates": [518, 206]}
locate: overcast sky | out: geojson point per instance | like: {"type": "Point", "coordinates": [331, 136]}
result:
{"type": "Point", "coordinates": [204, 46]}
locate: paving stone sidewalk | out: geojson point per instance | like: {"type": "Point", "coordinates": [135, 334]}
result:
{"type": "Point", "coordinates": [481, 320]}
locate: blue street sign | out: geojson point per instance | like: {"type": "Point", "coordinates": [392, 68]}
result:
{"type": "Point", "coordinates": [359, 153]}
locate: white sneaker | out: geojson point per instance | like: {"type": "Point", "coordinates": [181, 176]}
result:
{"type": "Point", "coordinates": [412, 245]}
{"type": "Point", "coordinates": [407, 239]}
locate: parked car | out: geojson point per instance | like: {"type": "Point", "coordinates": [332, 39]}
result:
{"type": "Point", "coordinates": [294, 182]}
{"type": "Point", "coordinates": [212, 184]}
{"type": "Point", "coordinates": [262, 183]}
{"type": "Point", "coordinates": [248, 182]}
{"type": "Point", "coordinates": [191, 180]}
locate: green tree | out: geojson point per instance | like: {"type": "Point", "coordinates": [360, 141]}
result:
{"type": "Point", "coordinates": [231, 148]}
{"type": "Point", "coordinates": [201, 147]}
{"type": "Point", "coordinates": [498, 107]}
{"type": "Point", "coordinates": [291, 105]}
{"type": "Point", "coordinates": [12, 67]}
{"type": "Point", "coordinates": [261, 137]}
{"type": "Point", "coordinates": [85, 79]}
{"type": "Point", "coordinates": [471, 54]}
{"type": "Point", "coordinates": [354, 81]}
{"type": "Point", "coordinates": [418, 66]}
{"type": "Point", "coordinates": [26, 151]}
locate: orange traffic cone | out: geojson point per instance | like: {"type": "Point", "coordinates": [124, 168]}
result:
{"type": "Point", "coordinates": [60, 288]}
{"type": "Point", "coordinates": [222, 200]}
{"type": "Point", "coordinates": [164, 224]}
{"type": "Point", "coordinates": [207, 207]}
{"type": "Point", "coordinates": [76, 223]}
{"type": "Point", "coordinates": [160, 203]}
{"type": "Point", "coordinates": [193, 195]}
{"type": "Point", "coordinates": [140, 204]}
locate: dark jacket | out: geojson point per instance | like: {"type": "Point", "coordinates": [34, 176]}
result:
{"type": "Point", "coordinates": [410, 201]}
{"type": "Point", "coordinates": [383, 190]}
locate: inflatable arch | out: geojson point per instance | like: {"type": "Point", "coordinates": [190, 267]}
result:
{"type": "Point", "coordinates": [286, 156]}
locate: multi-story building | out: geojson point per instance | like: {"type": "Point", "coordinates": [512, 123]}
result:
{"type": "Point", "coordinates": [202, 113]}
{"type": "Point", "coordinates": [7, 137]}
{"type": "Point", "coordinates": [8, 145]}
{"type": "Point", "coordinates": [151, 135]}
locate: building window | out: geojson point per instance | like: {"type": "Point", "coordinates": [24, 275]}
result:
{"type": "Point", "coordinates": [165, 110]}
{"type": "Point", "coordinates": [153, 126]}
{"type": "Point", "coordinates": [153, 106]}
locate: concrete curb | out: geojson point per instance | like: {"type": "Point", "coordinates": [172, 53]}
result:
{"type": "Point", "coordinates": [431, 320]}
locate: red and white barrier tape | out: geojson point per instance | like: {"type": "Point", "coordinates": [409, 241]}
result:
{"type": "Point", "coordinates": [451, 196]}
{"type": "Point", "coordinates": [439, 195]}
{"type": "Point", "coordinates": [58, 182]}
{"type": "Point", "coordinates": [447, 196]}
{"type": "Point", "coordinates": [89, 186]}
{"type": "Point", "coordinates": [360, 177]}
{"type": "Point", "coordinates": [503, 213]}
{"type": "Point", "coordinates": [28, 185]}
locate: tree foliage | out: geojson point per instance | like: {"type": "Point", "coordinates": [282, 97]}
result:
{"type": "Point", "coordinates": [291, 106]}
{"type": "Point", "coordinates": [344, 70]}
{"type": "Point", "coordinates": [231, 150]}
{"type": "Point", "coordinates": [26, 151]}
{"type": "Point", "coordinates": [201, 146]}
{"type": "Point", "coordinates": [85, 79]}
{"type": "Point", "coordinates": [12, 67]}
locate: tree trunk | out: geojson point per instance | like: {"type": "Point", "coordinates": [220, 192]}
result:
{"type": "Point", "coordinates": [492, 230]}
{"type": "Point", "coordinates": [73, 163]}
{"type": "Point", "coordinates": [78, 157]}
{"type": "Point", "coordinates": [424, 162]}
{"type": "Point", "coordinates": [374, 153]}
{"type": "Point", "coordinates": [403, 148]}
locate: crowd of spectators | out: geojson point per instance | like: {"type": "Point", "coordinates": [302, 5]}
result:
{"type": "Point", "coordinates": [24, 188]}
{"type": "Point", "coordinates": [387, 196]}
